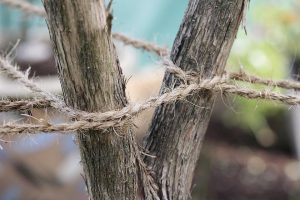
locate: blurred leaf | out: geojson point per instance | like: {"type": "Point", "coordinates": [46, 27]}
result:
{"type": "Point", "coordinates": [271, 44]}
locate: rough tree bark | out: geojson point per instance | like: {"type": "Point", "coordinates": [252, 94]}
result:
{"type": "Point", "coordinates": [202, 44]}
{"type": "Point", "coordinates": [91, 80]}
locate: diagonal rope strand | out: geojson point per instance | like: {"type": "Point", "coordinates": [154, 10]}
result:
{"type": "Point", "coordinates": [139, 44]}
{"type": "Point", "coordinates": [15, 74]}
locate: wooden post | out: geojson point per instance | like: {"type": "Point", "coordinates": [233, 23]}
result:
{"type": "Point", "coordinates": [203, 44]}
{"type": "Point", "coordinates": [91, 80]}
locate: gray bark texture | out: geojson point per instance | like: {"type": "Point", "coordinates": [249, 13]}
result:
{"type": "Point", "coordinates": [202, 45]}
{"type": "Point", "coordinates": [91, 80]}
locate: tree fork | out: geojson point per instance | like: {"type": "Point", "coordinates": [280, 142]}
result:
{"type": "Point", "coordinates": [92, 80]}
{"type": "Point", "coordinates": [202, 44]}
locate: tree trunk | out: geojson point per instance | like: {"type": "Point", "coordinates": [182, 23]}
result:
{"type": "Point", "coordinates": [91, 80]}
{"type": "Point", "coordinates": [202, 44]}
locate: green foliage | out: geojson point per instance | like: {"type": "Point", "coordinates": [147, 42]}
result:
{"type": "Point", "coordinates": [267, 51]}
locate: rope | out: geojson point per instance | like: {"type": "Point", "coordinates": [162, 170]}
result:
{"type": "Point", "coordinates": [6, 105]}
{"type": "Point", "coordinates": [118, 118]}
{"type": "Point", "coordinates": [238, 76]}
{"type": "Point", "coordinates": [208, 84]}
{"type": "Point", "coordinates": [139, 44]}
{"type": "Point", "coordinates": [286, 84]}
{"type": "Point", "coordinates": [12, 72]}
{"type": "Point", "coordinates": [192, 83]}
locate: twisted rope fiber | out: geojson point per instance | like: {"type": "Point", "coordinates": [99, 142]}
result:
{"type": "Point", "coordinates": [118, 118]}
{"type": "Point", "coordinates": [12, 72]}
{"type": "Point", "coordinates": [243, 76]}
{"type": "Point", "coordinates": [238, 76]}
{"type": "Point", "coordinates": [50, 100]}
{"type": "Point", "coordinates": [55, 102]}
{"type": "Point", "coordinates": [113, 118]}
{"type": "Point", "coordinates": [139, 44]}
{"type": "Point", "coordinates": [6, 105]}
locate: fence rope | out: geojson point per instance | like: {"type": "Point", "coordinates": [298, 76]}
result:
{"type": "Point", "coordinates": [237, 76]}
{"type": "Point", "coordinates": [285, 84]}
{"type": "Point", "coordinates": [192, 83]}
{"type": "Point", "coordinates": [139, 44]}
{"type": "Point", "coordinates": [11, 105]}
{"type": "Point", "coordinates": [8, 105]}
{"type": "Point", "coordinates": [120, 117]}
{"type": "Point", "coordinates": [13, 73]}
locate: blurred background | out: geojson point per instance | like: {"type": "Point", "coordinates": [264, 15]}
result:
{"type": "Point", "coordinates": [251, 149]}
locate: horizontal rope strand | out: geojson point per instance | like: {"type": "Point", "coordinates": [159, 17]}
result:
{"type": "Point", "coordinates": [13, 73]}
{"type": "Point", "coordinates": [243, 76]}
{"type": "Point", "coordinates": [118, 118]}
{"type": "Point", "coordinates": [7, 105]}
{"type": "Point", "coordinates": [234, 76]}
{"type": "Point", "coordinates": [139, 44]}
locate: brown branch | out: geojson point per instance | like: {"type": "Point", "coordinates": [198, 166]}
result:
{"type": "Point", "coordinates": [91, 81]}
{"type": "Point", "coordinates": [202, 45]}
